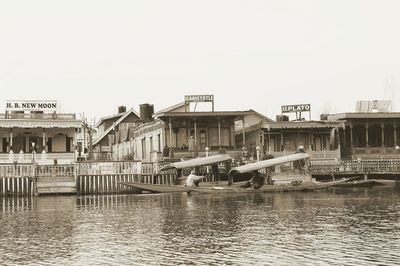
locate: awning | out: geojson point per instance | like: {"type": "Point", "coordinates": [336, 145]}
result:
{"type": "Point", "coordinates": [214, 159]}
{"type": "Point", "coordinates": [268, 163]}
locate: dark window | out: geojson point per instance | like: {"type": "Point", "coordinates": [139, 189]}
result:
{"type": "Point", "coordinates": [49, 145]}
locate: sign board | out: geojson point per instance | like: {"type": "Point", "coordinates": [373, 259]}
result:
{"type": "Point", "coordinates": [199, 98]}
{"type": "Point", "coordinates": [31, 105]}
{"type": "Point", "coordinates": [374, 106]}
{"type": "Point", "coordinates": [296, 108]}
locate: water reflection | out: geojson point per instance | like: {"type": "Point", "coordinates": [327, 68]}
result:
{"type": "Point", "coordinates": [343, 226]}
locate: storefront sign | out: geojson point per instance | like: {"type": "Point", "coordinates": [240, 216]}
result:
{"type": "Point", "coordinates": [45, 106]}
{"type": "Point", "coordinates": [296, 108]}
{"type": "Point", "coordinates": [199, 98]}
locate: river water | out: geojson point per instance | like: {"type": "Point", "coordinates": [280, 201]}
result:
{"type": "Point", "coordinates": [335, 227]}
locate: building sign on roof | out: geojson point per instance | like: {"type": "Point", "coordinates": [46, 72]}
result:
{"type": "Point", "coordinates": [199, 98]}
{"type": "Point", "coordinates": [31, 105]}
{"type": "Point", "coordinates": [296, 108]}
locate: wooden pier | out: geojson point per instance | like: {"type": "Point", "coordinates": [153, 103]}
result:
{"type": "Point", "coordinates": [104, 178]}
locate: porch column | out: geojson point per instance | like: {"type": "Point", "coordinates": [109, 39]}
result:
{"type": "Point", "coordinates": [170, 132]}
{"type": "Point", "coordinates": [44, 139]}
{"type": "Point", "coordinates": [219, 134]}
{"type": "Point", "coordinates": [208, 134]}
{"type": "Point", "coordinates": [282, 147]}
{"type": "Point", "coordinates": [309, 141]}
{"type": "Point", "coordinates": [263, 141]}
{"type": "Point", "coordinates": [351, 136]}
{"type": "Point", "coordinates": [233, 141]}
{"type": "Point", "coordinates": [395, 134]}
{"type": "Point", "coordinates": [195, 135]}
{"type": "Point", "coordinates": [11, 139]}
{"type": "Point", "coordinates": [366, 135]}
{"type": "Point", "coordinates": [383, 134]}
{"type": "Point", "coordinates": [269, 141]}
{"type": "Point", "coordinates": [244, 132]}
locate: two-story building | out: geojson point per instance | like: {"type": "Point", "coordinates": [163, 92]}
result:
{"type": "Point", "coordinates": [34, 131]}
{"type": "Point", "coordinates": [177, 132]}
{"type": "Point", "coordinates": [114, 134]}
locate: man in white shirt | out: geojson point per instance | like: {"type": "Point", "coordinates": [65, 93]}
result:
{"type": "Point", "coordinates": [193, 180]}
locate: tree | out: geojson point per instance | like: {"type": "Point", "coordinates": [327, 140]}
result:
{"type": "Point", "coordinates": [89, 128]}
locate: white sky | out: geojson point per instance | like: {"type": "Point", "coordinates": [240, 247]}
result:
{"type": "Point", "coordinates": [93, 56]}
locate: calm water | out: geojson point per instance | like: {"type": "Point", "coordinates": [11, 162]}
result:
{"type": "Point", "coordinates": [338, 227]}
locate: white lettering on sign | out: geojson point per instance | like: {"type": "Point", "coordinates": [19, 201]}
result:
{"type": "Point", "coordinates": [45, 106]}
{"type": "Point", "coordinates": [296, 108]}
{"type": "Point", "coordinates": [199, 98]}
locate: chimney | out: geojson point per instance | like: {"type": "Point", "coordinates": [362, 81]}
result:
{"type": "Point", "coordinates": [121, 109]}
{"type": "Point", "coordinates": [146, 112]}
{"type": "Point", "coordinates": [282, 118]}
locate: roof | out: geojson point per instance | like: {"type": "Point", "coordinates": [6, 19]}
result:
{"type": "Point", "coordinates": [300, 124]}
{"type": "Point", "coordinates": [206, 114]}
{"type": "Point", "coordinates": [268, 163]}
{"type": "Point", "coordinates": [171, 108]}
{"type": "Point", "coordinates": [219, 158]}
{"type": "Point", "coordinates": [344, 116]}
{"type": "Point", "coordinates": [102, 119]}
{"type": "Point", "coordinates": [262, 116]}
{"type": "Point", "coordinates": [108, 130]}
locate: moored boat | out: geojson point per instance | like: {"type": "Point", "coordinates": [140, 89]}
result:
{"type": "Point", "coordinates": [225, 188]}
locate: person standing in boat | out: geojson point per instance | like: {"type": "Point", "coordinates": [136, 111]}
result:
{"type": "Point", "coordinates": [193, 180]}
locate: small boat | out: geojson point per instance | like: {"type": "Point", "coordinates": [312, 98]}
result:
{"type": "Point", "coordinates": [280, 182]}
{"type": "Point", "coordinates": [368, 183]}
{"type": "Point", "coordinates": [225, 188]}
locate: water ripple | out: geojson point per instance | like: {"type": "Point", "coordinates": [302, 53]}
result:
{"type": "Point", "coordinates": [343, 227]}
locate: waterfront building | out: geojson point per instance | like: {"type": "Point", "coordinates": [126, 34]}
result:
{"type": "Point", "coordinates": [114, 135]}
{"type": "Point", "coordinates": [277, 138]}
{"type": "Point", "coordinates": [34, 131]}
{"type": "Point", "coordinates": [369, 135]}
{"type": "Point", "coordinates": [177, 132]}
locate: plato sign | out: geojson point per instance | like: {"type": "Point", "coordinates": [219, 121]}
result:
{"type": "Point", "coordinates": [296, 108]}
{"type": "Point", "coordinates": [45, 106]}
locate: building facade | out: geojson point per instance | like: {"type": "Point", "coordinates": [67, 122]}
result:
{"type": "Point", "coordinates": [33, 131]}
{"type": "Point", "coordinates": [369, 135]}
{"type": "Point", "coordinates": [319, 138]}
{"type": "Point", "coordinates": [115, 134]}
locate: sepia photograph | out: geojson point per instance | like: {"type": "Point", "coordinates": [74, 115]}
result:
{"type": "Point", "coordinates": [182, 132]}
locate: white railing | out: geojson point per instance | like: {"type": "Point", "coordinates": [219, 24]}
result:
{"type": "Point", "coordinates": [355, 166]}
{"type": "Point", "coordinates": [40, 158]}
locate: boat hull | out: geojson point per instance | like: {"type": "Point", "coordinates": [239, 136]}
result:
{"type": "Point", "coordinates": [309, 186]}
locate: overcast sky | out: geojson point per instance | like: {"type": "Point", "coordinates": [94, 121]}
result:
{"type": "Point", "coordinates": [93, 56]}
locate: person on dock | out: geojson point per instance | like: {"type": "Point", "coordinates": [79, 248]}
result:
{"type": "Point", "coordinates": [193, 180]}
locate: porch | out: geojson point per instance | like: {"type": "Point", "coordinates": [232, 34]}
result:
{"type": "Point", "coordinates": [43, 158]}
{"type": "Point", "coordinates": [375, 153]}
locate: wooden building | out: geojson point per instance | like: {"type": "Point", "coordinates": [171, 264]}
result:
{"type": "Point", "coordinates": [277, 138]}
{"type": "Point", "coordinates": [114, 135]}
{"type": "Point", "coordinates": [33, 131]}
{"type": "Point", "coordinates": [369, 135]}
{"type": "Point", "coordinates": [177, 133]}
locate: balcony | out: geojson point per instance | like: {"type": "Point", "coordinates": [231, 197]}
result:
{"type": "Point", "coordinates": [376, 153]}
{"type": "Point", "coordinates": [314, 155]}
{"type": "Point", "coordinates": [39, 116]}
